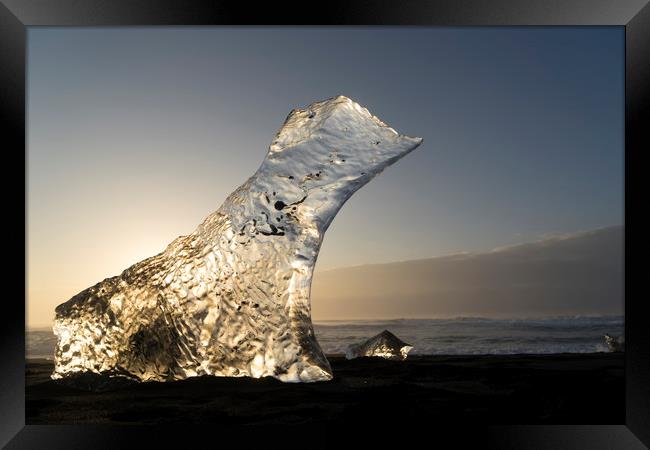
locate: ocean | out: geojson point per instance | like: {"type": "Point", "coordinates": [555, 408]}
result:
{"type": "Point", "coordinates": [456, 336]}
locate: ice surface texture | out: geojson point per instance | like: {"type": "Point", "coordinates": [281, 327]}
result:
{"type": "Point", "coordinates": [232, 298]}
{"type": "Point", "coordinates": [384, 345]}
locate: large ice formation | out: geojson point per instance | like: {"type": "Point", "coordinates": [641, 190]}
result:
{"type": "Point", "coordinates": [232, 298]}
{"type": "Point", "coordinates": [384, 345]}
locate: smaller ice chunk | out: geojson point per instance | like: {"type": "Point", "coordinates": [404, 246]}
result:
{"type": "Point", "coordinates": [615, 344]}
{"type": "Point", "coordinates": [384, 345]}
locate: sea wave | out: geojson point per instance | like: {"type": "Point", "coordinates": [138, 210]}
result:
{"type": "Point", "coordinates": [445, 336]}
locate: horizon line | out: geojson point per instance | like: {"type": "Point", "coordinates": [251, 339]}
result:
{"type": "Point", "coordinates": [451, 317]}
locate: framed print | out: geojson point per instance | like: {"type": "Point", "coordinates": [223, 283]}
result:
{"type": "Point", "coordinates": [471, 163]}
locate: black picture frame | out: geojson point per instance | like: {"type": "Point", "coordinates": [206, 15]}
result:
{"type": "Point", "coordinates": [16, 15]}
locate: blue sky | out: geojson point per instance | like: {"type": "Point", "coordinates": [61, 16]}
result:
{"type": "Point", "coordinates": [136, 134]}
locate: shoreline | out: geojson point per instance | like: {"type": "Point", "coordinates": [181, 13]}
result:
{"type": "Point", "coordinates": [567, 388]}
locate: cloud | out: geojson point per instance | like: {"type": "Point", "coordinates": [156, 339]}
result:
{"type": "Point", "coordinates": [576, 273]}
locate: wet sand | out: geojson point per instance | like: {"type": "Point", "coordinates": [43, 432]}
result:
{"type": "Point", "coordinates": [501, 389]}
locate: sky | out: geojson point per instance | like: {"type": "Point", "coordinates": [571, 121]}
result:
{"type": "Point", "coordinates": [137, 134]}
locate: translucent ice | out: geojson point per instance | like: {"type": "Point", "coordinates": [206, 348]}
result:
{"type": "Point", "coordinates": [384, 345]}
{"type": "Point", "coordinates": [232, 298]}
{"type": "Point", "coordinates": [615, 344]}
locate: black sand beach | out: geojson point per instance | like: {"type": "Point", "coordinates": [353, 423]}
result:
{"type": "Point", "coordinates": [500, 389]}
